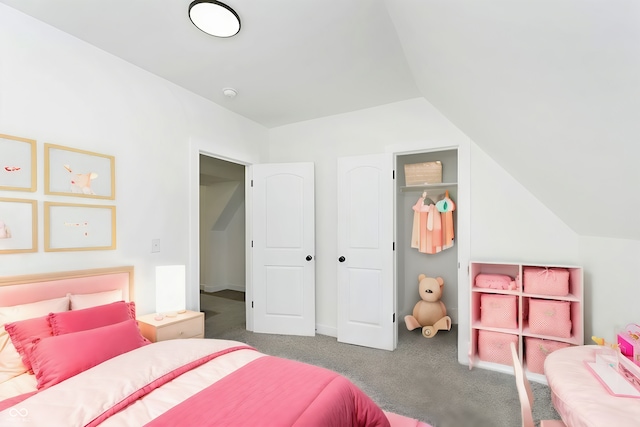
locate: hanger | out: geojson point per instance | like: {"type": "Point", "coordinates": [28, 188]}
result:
{"type": "Point", "coordinates": [426, 200]}
{"type": "Point", "coordinates": [445, 204]}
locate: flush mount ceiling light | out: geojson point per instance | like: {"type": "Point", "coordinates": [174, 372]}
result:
{"type": "Point", "coordinates": [214, 18]}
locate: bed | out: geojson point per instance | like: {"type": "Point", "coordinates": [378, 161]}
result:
{"type": "Point", "coordinates": [71, 354]}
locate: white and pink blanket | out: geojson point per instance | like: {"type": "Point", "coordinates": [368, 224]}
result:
{"type": "Point", "coordinates": [197, 382]}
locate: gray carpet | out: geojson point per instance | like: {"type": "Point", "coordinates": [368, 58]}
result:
{"type": "Point", "coordinates": [421, 379]}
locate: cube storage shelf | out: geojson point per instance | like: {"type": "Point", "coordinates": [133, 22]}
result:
{"type": "Point", "coordinates": [522, 332]}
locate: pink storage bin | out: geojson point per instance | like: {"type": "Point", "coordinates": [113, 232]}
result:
{"type": "Point", "coordinates": [550, 317]}
{"type": "Point", "coordinates": [494, 346]}
{"type": "Point", "coordinates": [499, 311]}
{"type": "Point", "coordinates": [537, 350]}
{"type": "Point", "coordinates": [546, 281]}
{"type": "Point", "coordinates": [495, 281]}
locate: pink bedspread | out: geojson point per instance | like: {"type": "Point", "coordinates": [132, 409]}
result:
{"type": "Point", "coordinates": [199, 382]}
{"type": "Point", "coordinates": [277, 392]}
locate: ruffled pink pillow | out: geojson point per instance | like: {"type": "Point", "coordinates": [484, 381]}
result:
{"type": "Point", "coordinates": [24, 332]}
{"type": "Point", "coordinates": [91, 318]}
{"type": "Point", "coordinates": [60, 357]}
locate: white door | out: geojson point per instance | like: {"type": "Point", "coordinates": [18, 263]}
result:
{"type": "Point", "coordinates": [366, 285]}
{"type": "Point", "coordinates": [283, 246]}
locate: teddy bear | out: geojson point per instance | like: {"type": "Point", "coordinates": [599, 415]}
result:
{"type": "Point", "coordinates": [430, 313]}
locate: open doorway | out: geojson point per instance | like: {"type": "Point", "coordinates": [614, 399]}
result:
{"type": "Point", "coordinates": [222, 245]}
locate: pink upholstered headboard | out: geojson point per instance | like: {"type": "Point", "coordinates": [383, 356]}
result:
{"type": "Point", "coordinates": [16, 290]}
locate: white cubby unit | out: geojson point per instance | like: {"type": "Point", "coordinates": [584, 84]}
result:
{"type": "Point", "coordinates": [492, 330]}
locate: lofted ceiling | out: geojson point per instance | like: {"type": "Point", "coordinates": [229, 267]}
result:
{"type": "Point", "coordinates": [550, 89]}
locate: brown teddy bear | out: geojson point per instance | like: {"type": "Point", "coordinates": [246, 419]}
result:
{"type": "Point", "coordinates": [430, 313]}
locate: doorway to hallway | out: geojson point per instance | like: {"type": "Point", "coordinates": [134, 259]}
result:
{"type": "Point", "coordinates": [222, 244]}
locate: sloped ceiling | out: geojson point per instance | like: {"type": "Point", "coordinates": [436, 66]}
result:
{"type": "Point", "coordinates": [549, 89]}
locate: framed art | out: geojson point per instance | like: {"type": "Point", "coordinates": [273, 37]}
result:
{"type": "Point", "coordinates": [17, 163]}
{"type": "Point", "coordinates": [78, 227]}
{"type": "Point", "coordinates": [18, 226]}
{"type": "Point", "coordinates": [73, 172]}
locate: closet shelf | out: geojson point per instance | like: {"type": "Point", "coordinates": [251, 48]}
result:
{"type": "Point", "coordinates": [419, 188]}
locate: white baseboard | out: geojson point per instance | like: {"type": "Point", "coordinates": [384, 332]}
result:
{"type": "Point", "coordinates": [217, 288]}
{"type": "Point", "coordinates": [327, 330]}
{"type": "Point", "coordinates": [239, 288]}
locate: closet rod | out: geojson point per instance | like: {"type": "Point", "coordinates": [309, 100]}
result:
{"type": "Point", "coordinates": [427, 187]}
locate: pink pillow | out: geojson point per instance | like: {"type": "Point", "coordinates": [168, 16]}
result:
{"type": "Point", "coordinates": [24, 332]}
{"type": "Point", "coordinates": [60, 357]}
{"type": "Point", "coordinates": [91, 318]}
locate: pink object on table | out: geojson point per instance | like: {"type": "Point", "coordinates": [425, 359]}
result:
{"type": "Point", "coordinates": [629, 342]}
{"type": "Point", "coordinates": [580, 398]}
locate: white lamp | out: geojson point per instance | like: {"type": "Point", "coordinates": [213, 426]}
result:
{"type": "Point", "coordinates": [170, 290]}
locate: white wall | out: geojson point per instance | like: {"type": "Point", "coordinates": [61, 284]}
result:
{"type": "Point", "coordinates": [236, 273]}
{"type": "Point", "coordinates": [612, 280]}
{"type": "Point", "coordinates": [509, 224]}
{"type": "Point", "coordinates": [222, 251]}
{"type": "Point", "coordinates": [506, 222]}
{"type": "Point", "coordinates": [55, 88]}
{"type": "Point", "coordinates": [324, 140]}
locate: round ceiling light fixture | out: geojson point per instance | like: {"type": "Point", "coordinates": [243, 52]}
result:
{"type": "Point", "coordinates": [214, 18]}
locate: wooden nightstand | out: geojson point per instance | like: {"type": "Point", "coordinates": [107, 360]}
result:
{"type": "Point", "coordinates": [189, 324]}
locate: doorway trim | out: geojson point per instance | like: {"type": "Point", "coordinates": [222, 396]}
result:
{"type": "Point", "coordinates": [199, 147]}
{"type": "Point", "coordinates": [463, 230]}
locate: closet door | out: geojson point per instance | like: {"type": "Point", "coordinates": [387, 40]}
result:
{"type": "Point", "coordinates": [283, 248]}
{"type": "Point", "coordinates": [366, 285]}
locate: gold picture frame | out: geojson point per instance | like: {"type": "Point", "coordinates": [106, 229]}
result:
{"type": "Point", "coordinates": [18, 226]}
{"type": "Point", "coordinates": [18, 167]}
{"type": "Point", "coordinates": [79, 227]}
{"type": "Point", "coordinates": [78, 173]}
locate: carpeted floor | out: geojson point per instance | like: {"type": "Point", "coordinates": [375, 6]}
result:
{"type": "Point", "coordinates": [421, 379]}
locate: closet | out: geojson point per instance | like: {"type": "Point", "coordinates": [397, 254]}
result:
{"type": "Point", "coordinates": [410, 263]}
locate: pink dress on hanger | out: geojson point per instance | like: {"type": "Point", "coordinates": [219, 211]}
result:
{"type": "Point", "coordinates": [434, 231]}
{"type": "Point", "coordinates": [447, 209]}
{"type": "Point", "coordinates": [423, 214]}
{"type": "Point", "coordinates": [415, 232]}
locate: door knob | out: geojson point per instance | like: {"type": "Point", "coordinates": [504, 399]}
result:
{"type": "Point", "coordinates": [342, 259]}
{"type": "Point", "coordinates": [309, 258]}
